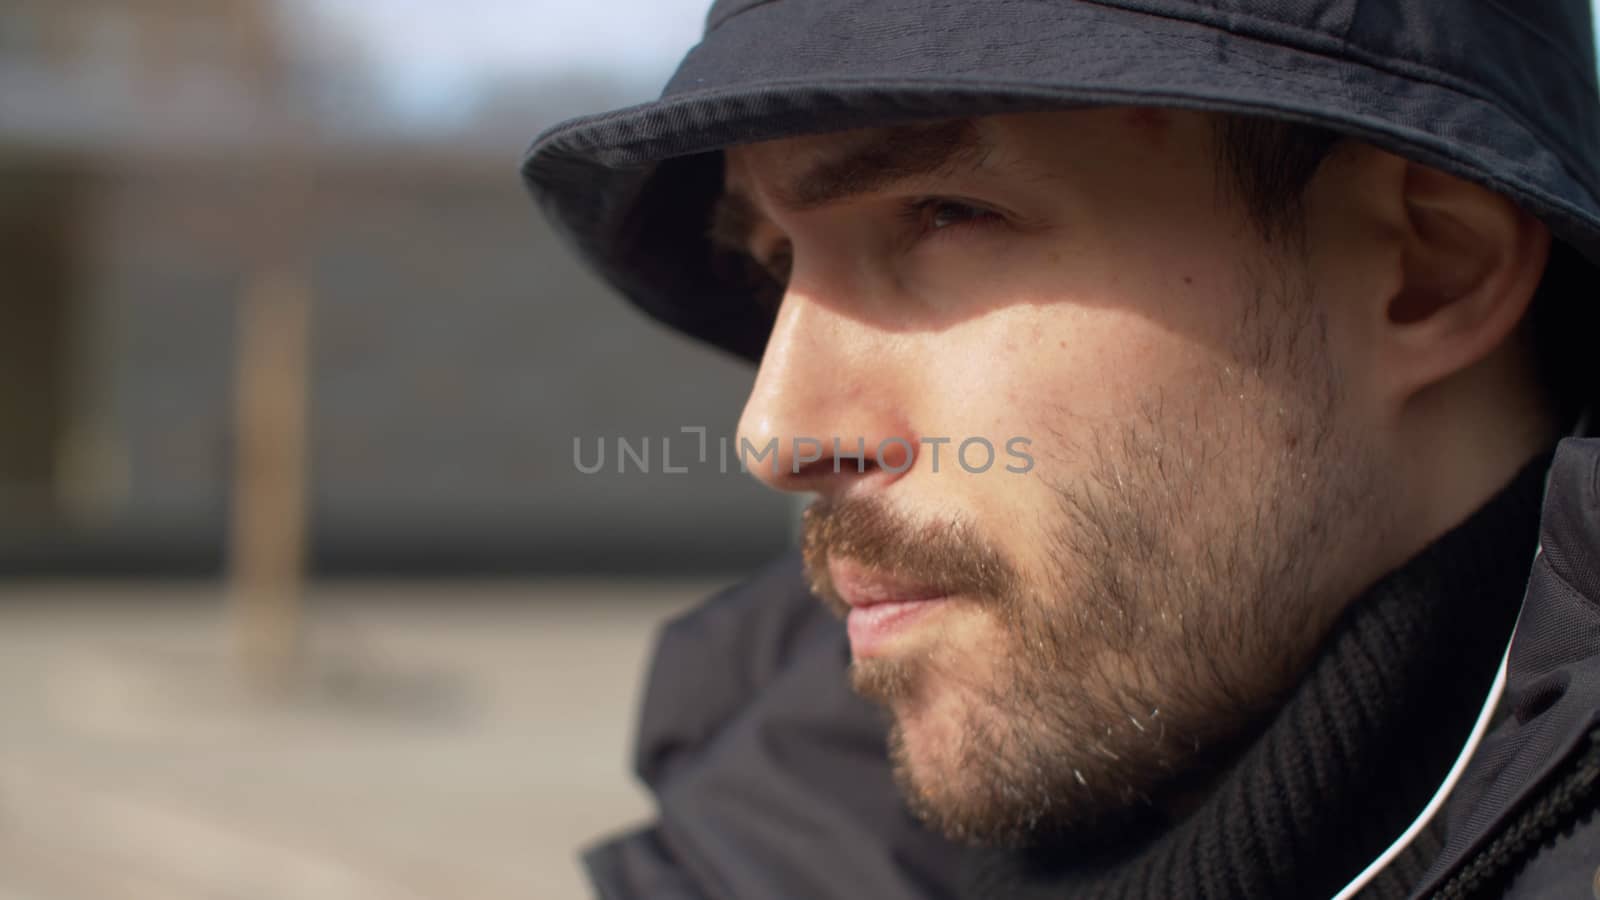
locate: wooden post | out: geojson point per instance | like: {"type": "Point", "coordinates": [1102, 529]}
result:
{"type": "Point", "coordinates": [268, 538]}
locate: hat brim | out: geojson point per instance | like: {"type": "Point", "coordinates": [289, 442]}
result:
{"type": "Point", "coordinates": [632, 188]}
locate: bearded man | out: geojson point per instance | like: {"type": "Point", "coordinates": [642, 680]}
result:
{"type": "Point", "coordinates": [1285, 306]}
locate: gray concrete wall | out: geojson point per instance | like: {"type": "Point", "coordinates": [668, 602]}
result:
{"type": "Point", "coordinates": [458, 351]}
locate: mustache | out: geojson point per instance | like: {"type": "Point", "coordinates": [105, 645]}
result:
{"type": "Point", "coordinates": [947, 555]}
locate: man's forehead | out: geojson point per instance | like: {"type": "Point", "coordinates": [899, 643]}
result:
{"type": "Point", "coordinates": [807, 172]}
{"type": "Point", "coordinates": [810, 172]}
{"type": "Point", "coordinates": [928, 144]}
{"type": "Point", "coordinates": [920, 145]}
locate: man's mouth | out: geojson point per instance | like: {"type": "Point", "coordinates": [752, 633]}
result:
{"type": "Point", "coordinates": [882, 607]}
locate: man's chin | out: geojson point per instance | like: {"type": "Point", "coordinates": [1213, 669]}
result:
{"type": "Point", "coordinates": [927, 742]}
{"type": "Point", "coordinates": [978, 804]}
{"type": "Point", "coordinates": [964, 773]}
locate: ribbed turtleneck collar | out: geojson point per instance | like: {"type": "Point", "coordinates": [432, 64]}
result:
{"type": "Point", "coordinates": [1354, 753]}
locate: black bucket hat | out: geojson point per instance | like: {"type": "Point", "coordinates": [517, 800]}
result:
{"type": "Point", "coordinates": [1501, 92]}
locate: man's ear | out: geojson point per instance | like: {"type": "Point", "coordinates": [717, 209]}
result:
{"type": "Point", "coordinates": [1471, 261]}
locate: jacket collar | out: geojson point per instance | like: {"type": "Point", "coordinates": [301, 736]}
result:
{"type": "Point", "coordinates": [1552, 698]}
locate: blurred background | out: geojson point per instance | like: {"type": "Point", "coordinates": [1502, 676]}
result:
{"type": "Point", "coordinates": [302, 594]}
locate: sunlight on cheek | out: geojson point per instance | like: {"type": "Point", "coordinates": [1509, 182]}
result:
{"type": "Point", "coordinates": [972, 271]}
{"type": "Point", "coordinates": [1048, 372]}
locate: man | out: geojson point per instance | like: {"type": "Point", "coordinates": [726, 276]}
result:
{"type": "Point", "coordinates": [1178, 383]}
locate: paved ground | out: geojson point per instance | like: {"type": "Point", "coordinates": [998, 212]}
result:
{"type": "Point", "coordinates": [446, 740]}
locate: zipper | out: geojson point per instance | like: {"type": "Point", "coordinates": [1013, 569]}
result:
{"type": "Point", "coordinates": [1555, 809]}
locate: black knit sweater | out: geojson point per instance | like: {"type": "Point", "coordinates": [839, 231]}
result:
{"type": "Point", "coordinates": [1350, 758]}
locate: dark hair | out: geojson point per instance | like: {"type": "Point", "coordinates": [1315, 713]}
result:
{"type": "Point", "coordinates": [1563, 324]}
{"type": "Point", "coordinates": [1269, 164]}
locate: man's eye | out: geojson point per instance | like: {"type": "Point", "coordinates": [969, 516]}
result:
{"type": "Point", "coordinates": [764, 281]}
{"type": "Point", "coordinates": [779, 264]}
{"type": "Point", "coordinates": [929, 214]}
{"type": "Point", "coordinates": [773, 278]}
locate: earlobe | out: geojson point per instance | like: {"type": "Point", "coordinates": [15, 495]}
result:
{"type": "Point", "coordinates": [1471, 263]}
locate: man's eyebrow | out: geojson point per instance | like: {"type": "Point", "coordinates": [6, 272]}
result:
{"type": "Point", "coordinates": [902, 153]}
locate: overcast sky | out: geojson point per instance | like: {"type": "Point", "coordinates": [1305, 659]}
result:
{"type": "Point", "coordinates": [430, 53]}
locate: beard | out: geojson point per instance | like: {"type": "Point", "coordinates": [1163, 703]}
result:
{"type": "Point", "coordinates": [1183, 576]}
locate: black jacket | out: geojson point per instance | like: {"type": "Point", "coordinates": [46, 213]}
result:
{"type": "Point", "coordinates": [772, 780]}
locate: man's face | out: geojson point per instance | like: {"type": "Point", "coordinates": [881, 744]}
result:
{"type": "Point", "coordinates": [1082, 291]}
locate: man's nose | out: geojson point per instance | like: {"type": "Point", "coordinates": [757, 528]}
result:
{"type": "Point", "coordinates": [827, 412]}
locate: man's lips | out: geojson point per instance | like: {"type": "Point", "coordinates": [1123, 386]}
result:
{"type": "Point", "coordinates": [881, 606]}
{"type": "Point", "coordinates": [860, 587]}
